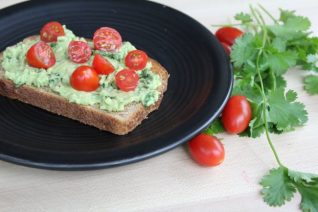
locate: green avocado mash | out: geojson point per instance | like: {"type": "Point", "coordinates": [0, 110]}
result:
{"type": "Point", "coordinates": [56, 79]}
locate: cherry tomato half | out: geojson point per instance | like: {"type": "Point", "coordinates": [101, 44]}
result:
{"type": "Point", "coordinates": [79, 51]}
{"type": "Point", "coordinates": [136, 59]}
{"type": "Point", "coordinates": [228, 34]}
{"type": "Point", "coordinates": [107, 39]}
{"type": "Point", "coordinates": [236, 115]}
{"type": "Point", "coordinates": [84, 78]}
{"type": "Point", "coordinates": [206, 150]}
{"type": "Point", "coordinates": [127, 80]}
{"type": "Point", "coordinates": [51, 31]}
{"type": "Point", "coordinates": [227, 48]}
{"type": "Point", "coordinates": [102, 65]}
{"type": "Point", "coordinates": [40, 55]}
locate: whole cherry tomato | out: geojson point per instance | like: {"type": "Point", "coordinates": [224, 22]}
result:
{"type": "Point", "coordinates": [228, 34]}
{"type": "Point", "coordinates": [236, 115]}
{"type": "Point", "coordinates": [206, 150]}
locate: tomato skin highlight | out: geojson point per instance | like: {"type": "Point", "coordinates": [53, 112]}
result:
{"type": "Point", "coordinates": [79, 51]}
{"type": "Point", "coordinates": [136, 59]}
{"type": "Point", "coordinates": [127, 80]}
{"type": "Point", "coordinates": [236, 115]}
{"type": "Point", "coordinates": [226, 48]}
{"type": "Point", "coordinates": [51, 31]}
{"type": "Point", "coordinates": [40, 55]}
{"type": "Point", "coordinates": [107, 39]}
{"type": "Point", "coordinates": [102, 65]}
{"type": "Point", "coordinates": [84, 78]}
{"type": "Point", "coordinates": [206, 150]}
{"type": "Point", "coordinates": [228, 34]}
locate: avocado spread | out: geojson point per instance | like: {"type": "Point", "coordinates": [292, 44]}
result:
{"type": "Point", "coordinates": [57, 78]}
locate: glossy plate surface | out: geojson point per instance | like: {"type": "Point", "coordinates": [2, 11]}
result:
{"type": "Point", "coordinates": [199, 85]}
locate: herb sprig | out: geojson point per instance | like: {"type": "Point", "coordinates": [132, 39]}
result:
{"type": "Point", "coordinates": [260, 58]}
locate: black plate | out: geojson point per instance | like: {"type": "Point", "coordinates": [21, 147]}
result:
{"type": "Point", "coordinates": [199, 85]}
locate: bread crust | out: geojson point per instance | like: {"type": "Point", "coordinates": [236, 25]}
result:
{"type": "Point", "coordinates": [119, 123]}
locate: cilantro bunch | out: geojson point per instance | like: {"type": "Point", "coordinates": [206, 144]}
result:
{"type": "Point", "coordinates": [260, 59]}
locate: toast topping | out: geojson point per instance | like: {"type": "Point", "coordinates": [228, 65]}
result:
{"type": "Point", "coordinates": [56, 79]}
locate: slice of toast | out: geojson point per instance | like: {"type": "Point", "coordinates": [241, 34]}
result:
{"type": "Point", "coordinates": [119, 123]}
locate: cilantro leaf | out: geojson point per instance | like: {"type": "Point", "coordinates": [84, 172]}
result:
{"type": "Point", "coordinates": [298, 23]}
{"type": "Point", "coordinates": [215, 127]}
{"type": "Point", "coordinates": [286, 14]}
{"type": "Point", "coordinates": [309, 197]}
{"type": "Point", "coordinates": [291, 23]}
{"type": "Point", "coordinates": [243, 50]}
{"type": "Point", "coordinates": [307, 186]}
{"type": "Point", "coordinates": [280, 82]}
{"type": "Point", "coordinates": [293, 27]}
{"type": "Point", "coordinates": [279, 62]}
{"type": "Point", "coordinates": [310, 44]}
{"type": "Point", "coordinates": [277, 188]}
{"type": "Point", "coordinates": [281, 183]}
{"type": "Point", "coordinates": [284, 113]}
{"type": "Point", "coordinates": [279, 44]}
{"type": "Point", "coordinates": [311, 84]}
{"type": "Point", "coordinates": [245, 87]}
{"type": "Point", "coordinates": [300, 177]}
{"type": "Point", "coordinates": [257, 124]}
{"type": "Point", "coordinates": [306, 48]}
{"type": "Point", "coordinates": [291, 96]}
{"type": "Point", "coordinates": [243, 17]}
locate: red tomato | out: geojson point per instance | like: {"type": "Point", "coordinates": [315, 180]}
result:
{"type": "Point", "coordinates": [107, 39]}
{"type": "Point", "coordinates": [228, 35]}
{"type": "Point", "coordinates": [136, 59]}
{"type": "Point", "coordinates": [206, 150]}
{"type": "Point", "coordinates": [84, 78]}
{"type": "Point", "coordinates": [236, 115]}
{"type": "Point", "coordinates": [40, 55]}
{"type": "Point", "coordinates": [127, 80]}
{"type": "Point", "coordinates": [79, 51]}
{"type": "Point", "coordinates": [51, 31]}
{"type": "Point", "coordinates": [227, 48]}
{"type": "Point", "coordinates": [102, 65]}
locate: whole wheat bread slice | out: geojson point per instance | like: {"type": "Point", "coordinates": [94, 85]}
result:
{"type": "Point", "coordinates": [119, 123]}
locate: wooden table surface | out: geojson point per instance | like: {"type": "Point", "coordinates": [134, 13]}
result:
{"type": "Point", "coordinates": [172, 181]}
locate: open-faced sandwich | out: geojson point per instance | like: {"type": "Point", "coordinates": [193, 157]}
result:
{"type": "Point", "coordinates": [104, 82]}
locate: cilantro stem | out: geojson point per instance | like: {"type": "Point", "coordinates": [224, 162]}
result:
{"type": "Point", "coordinates": [256, 17]}
{"type": "Point", "coordinates": [268, 13]}
{"type": "Point", "coordinates": [260, 21]}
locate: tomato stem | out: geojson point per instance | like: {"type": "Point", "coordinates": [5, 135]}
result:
{"type": "Point", "coordinates": [258, 17]}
